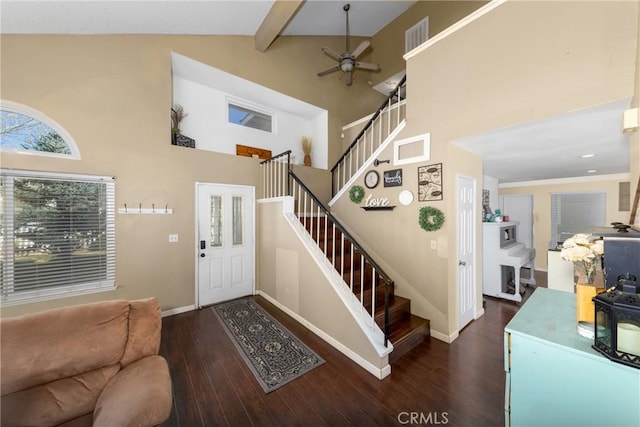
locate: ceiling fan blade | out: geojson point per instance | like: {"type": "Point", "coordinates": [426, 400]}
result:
{"type": "Point", "coordinates": [331, 53]}
{"type": "Point", "coordinates": [368, 66]}
{"type": "Point", "coordinates": [361, 48]}
{"type": "Point", "coordinates": [347, 78]}
{"type": "Point", "coordinates": [329, 70]}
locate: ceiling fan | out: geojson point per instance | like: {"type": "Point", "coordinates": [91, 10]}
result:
{"type": "Point", "coordinates": [348, 60]}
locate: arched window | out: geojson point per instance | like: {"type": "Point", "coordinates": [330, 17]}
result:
{"type": "Point", "coordinates": [26, 130]}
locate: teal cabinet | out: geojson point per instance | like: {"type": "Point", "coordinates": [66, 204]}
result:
{"type": "Point", "coordinates": [553, 376]}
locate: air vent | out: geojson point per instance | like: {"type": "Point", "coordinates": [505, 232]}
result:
{"type": "Point", "coordinates": [416, 35]}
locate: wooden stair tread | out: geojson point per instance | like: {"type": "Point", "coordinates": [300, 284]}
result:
{"type": "Point", "coordinates": [413, 324]}
{"type": "Point", "coordinates": [406, 335]}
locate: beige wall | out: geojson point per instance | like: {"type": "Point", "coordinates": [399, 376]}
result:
{"type": "Point", "coordinates": [542, 208]}
{"type": "Point", "coordinates": [388, 43]}
{"type": "Point", "coordinates": [113, 95]}
{"type": "Point", "coordinates": [291, 276]}
{"type": "Point", "coordinates": [523, 61]}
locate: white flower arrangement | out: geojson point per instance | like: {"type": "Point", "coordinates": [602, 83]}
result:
{"type": "Point", "coordinates": [585, 252]}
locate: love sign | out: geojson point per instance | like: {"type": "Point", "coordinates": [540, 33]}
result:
{"type": "Point", "coordinates": [372, 202]}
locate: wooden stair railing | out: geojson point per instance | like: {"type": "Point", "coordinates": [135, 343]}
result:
{"type": "Point", "coordinates": [391, 312]}
{"type": "Point", "coordinates": [344, 253]}
{"type": "Point", "coordinates": [372, 287]}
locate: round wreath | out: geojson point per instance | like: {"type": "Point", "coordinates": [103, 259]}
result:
{"type": "Point", "coordinates": [356, 194]}
{"type": "Point", "coordinates": [431, 219]}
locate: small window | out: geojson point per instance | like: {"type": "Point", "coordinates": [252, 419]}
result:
{"type": "Point", "coordinates": [25, 130]}
{"type": "Point", "coordinates": [249, 117]}
{"type": "Point", "coordinates": [412, 150]}
{"type": "Point", "coordinates": [57, 235]}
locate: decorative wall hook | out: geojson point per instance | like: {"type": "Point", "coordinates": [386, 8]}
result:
{"type": "Point", "coordinates": [377, 162]}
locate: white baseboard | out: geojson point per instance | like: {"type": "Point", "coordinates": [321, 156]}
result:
{"type": "Point", "coordinates": [379, 373]}
{"type": "Point", "coordinates": [442, 337]}
{"type": "Point", "coordinates": [178, 310]}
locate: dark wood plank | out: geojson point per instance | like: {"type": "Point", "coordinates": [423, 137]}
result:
{"type": "Point", "coordinates": [213, 386]}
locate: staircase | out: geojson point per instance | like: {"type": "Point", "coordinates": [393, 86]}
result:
{"type": "Point", "coordinates": [363, 279]}
{"type": "Point", "coordinates": [403, 329]}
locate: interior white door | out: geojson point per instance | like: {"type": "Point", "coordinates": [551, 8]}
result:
{"type": "Point", "coordinates": [520, 208]}
{"type": "Point", "coordinates": [466, 231]}
{"type": "Point", "coordinates": [225, 242]}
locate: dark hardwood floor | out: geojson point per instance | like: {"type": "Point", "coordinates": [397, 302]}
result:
{"type": "Point", "coordinates": [458, 384]}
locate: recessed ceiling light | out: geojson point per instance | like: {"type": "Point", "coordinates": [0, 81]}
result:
{"type": "Point", "coordinates": [586, 156]}
{"type": "Point", "coordinates": [592, 171]}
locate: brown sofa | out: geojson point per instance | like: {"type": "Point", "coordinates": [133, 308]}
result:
{"type": "Point", "coordinates": [92, 364]}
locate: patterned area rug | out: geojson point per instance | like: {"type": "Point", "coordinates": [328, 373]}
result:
{"type": "Point", "coordinates": [273, 353]}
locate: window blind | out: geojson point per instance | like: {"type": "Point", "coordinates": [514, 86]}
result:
{"type": "Point", "coordinates": [573, 213]}
{"type": "Point", "coordinates": [57, 235]}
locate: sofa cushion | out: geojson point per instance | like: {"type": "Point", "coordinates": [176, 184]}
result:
{"type": "Point", "coordinates": [139, 395]}
{"type": "Point", "coordinates": [43, 347]}
{"type": "Point", "coordinates": [145, 325]}
{"type": "Point", "coordinates": [56, 402]}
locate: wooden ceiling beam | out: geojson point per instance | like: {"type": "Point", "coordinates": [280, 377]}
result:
{"type": "Point", "coordinates": [279, 15]}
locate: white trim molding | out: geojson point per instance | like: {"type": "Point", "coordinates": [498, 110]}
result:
{"type": "Point", "coordinates": [178, 310]}
{"type": "Point", "coordinates": [379, 373]}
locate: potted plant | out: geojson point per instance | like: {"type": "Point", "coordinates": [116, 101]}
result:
{"type": "Point", "coordinates": [306, 149]}
{"type": "Point", "coordinates": [177, 114]}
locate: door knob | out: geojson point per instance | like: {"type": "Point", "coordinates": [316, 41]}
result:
{"type": "Point", "coordinates": [462, 263]}
{"type": "Point", "coordinates": [202, 255]}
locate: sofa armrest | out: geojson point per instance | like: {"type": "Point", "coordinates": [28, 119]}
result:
{"type": "Point", "coordinates": [139, 395]}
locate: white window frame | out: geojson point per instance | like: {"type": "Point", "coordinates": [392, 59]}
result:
{"type": "Point", "coordinates": [15, 298]}
{"type": "Point", "coordinates": [423, 157]}
{"type": "Point", "coordinates": [253, 107]}
{"type": "Point", "coordinates": [602, 215]}
{"type": "Point", "coordinates": [31, 112]}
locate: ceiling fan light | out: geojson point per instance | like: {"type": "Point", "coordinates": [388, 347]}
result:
{"type": "Point", "coordinates": [346, 65]}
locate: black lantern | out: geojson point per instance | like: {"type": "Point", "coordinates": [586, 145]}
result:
{"type": "Point", "coordinates": [617, 316]}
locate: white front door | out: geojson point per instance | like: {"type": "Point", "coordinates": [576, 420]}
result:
{"type": "Point", "coordinates": [466, 231]}
{"type": "Point", "coordinates": [225, 242]}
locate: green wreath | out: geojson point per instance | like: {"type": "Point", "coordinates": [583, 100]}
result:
{"type": "Point", "coordinates": [431, 219]}
{"type": "Point", "coordinates": [356, 194]}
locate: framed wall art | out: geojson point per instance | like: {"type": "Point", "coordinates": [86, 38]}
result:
{"type": "Point", "coordinates": [392, 178]}
{"type": "Point", "coordinates": [430, 183]}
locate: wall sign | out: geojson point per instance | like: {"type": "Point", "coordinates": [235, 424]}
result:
{"type": "Point", "coordinates": [430, 182]}
{"type": "Point", "coordinates": [393, 178]}
{"type": "Point", "coordinates": [372, 203]}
